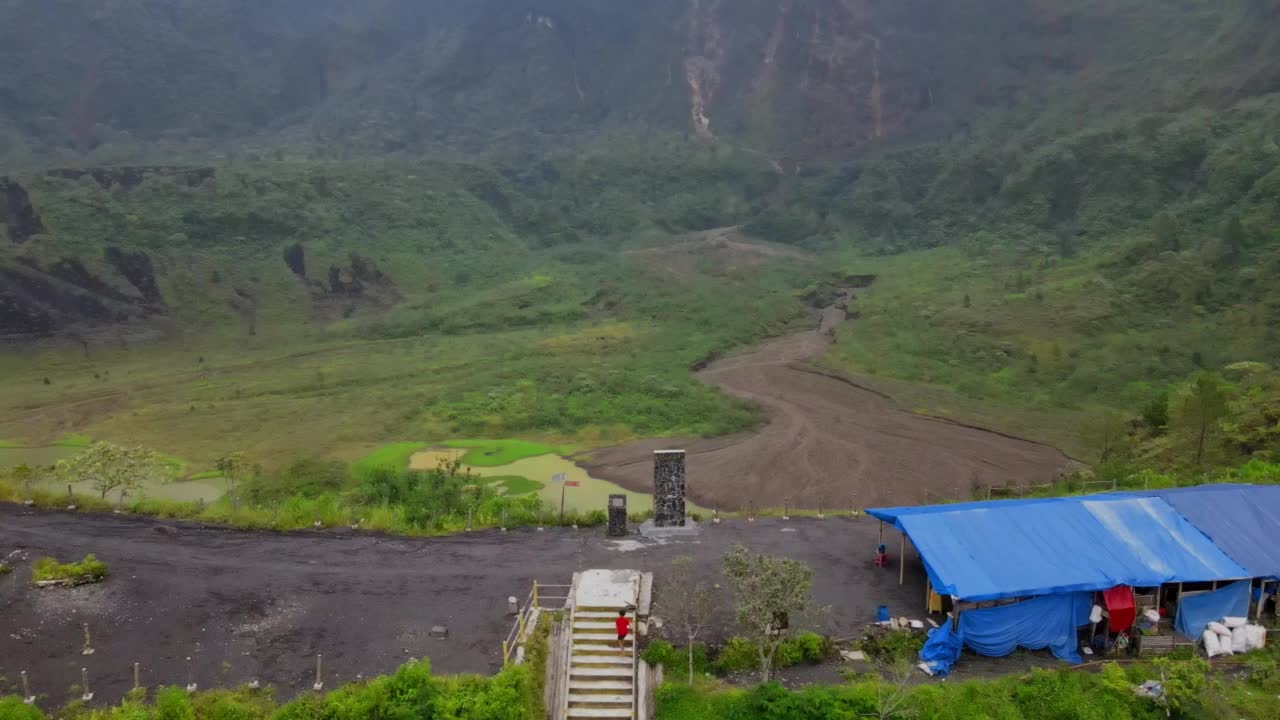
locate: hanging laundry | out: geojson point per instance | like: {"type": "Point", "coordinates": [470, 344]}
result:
{"type": "Point", "coordinates": [1120, 606]}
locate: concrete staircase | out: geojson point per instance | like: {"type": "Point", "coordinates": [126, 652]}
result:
{"type": "Point", "coordinates": [601, 679]}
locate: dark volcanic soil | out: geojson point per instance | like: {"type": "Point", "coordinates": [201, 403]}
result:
{"type": "Point", "coordinates": [247, 605]}
{"type": "Point", "coordinates": [828, 442]}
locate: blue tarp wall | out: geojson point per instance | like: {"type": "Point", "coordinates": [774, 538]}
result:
{"type": "Point", "coordinates": [1196, 611]}
{"type": "Point", "coordinates": [1043, 622]}
{"type": "Point", "coordinates": [1021, 548]}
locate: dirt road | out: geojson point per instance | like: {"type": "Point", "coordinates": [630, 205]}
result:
{"type": "Point", "coordinates": [247, 605]}
{"type": "Point", "coordinates": [828, 442]}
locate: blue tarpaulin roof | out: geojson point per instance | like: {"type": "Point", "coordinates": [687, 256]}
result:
{"type": "Point", "coordinates": [1240, 519]}
{"type": "Point", "coordinates": [1019, 548]}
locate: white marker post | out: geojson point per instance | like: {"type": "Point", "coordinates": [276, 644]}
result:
{"type": "Point", "coordinates": [319, 683]}
{"type": "Point", "coordinates": [27, 697]}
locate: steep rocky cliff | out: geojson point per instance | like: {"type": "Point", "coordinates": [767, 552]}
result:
{"type": "Point", "coordinates": [112, 81]}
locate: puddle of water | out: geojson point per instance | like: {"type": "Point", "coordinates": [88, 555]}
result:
{"type": "Point", "coordinates": [181, 491]}
{"type": "Point", "coordinates": [11, 457]}
{"type": "Point", "coordinates": [591, 494]}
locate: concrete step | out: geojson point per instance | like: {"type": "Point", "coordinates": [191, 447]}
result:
{"type": "Point", "coordinates": [579, 712]}
{"type": "Point", "coordinates": [596, 625]}
{"type": "Point", "coordinates": [600, 686]}
{"type": "Point", "coordinates": [592, 673]}
{"type": "Point", "coordinates": [601, 649]}
{"type": "Point", "coordinates": [600, 637]}
{"type": "Point", "coordinates": [600, 701]}
{"type": "Point", "coordinates": [596, 610]}
{"type": "Point", "coordinates": [593, 658]}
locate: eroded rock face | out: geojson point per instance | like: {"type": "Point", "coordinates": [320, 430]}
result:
{"type": "Point", "coordinates": [20, 219]}
{"type": "Point", "coordinates": [137, 268]}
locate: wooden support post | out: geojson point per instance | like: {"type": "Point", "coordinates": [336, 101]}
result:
{"type": "Point", "coordinates": [1262, 599]}
{"type": "Point", "coordinates": [902, 559]}
{"type": "Point", "coordinates": [928, 589]}
{"type": "Point", "coordinates": [137, 667]}
{"type": "Point", "coordinates": [535, 593]}
{"type": "Point", "coordinates": [505, 649]}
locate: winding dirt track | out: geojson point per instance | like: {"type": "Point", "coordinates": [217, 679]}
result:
{"type": "Point", "coordinates": [828, 442]}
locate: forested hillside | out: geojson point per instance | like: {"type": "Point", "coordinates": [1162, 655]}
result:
{"type": "Point", "coordinates": [1071, 207]}
{"type": "Point", "coordinates": [163, 80]}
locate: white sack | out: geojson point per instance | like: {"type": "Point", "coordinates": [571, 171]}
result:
{"type": "Point", "coordinates": [1235, 622]}
{"type": "Point", "coordinates": [1239, 640]}
{"type": "Point", "coordinates": [1220, 629]}
{"type": "Point", "coordinates": [1095, 615]}
{"type": "Point", "coordinates": [1257, 636]}
{"type": "Point", "coordinates": [1211, 646]}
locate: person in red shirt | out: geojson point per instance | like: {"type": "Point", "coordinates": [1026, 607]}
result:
{"type": "Point", "coordinates": [623, 624]}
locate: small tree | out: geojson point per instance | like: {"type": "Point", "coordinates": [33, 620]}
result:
{"type": "Point", "coordinates": [232, 467]}
{"type": "Point", "coordinates": [1202, 406]}
{"type": "Point", "coordinates": [109, 467]}
{"type": "Point", "coordinates": [1166, 232]}
{"type": "Point", "coordinates": [1108, 432]}
{"type": "Point", "coordinates": [690, 603]}
{"type": "Point", "coordinates": [768, 592]}
{"type": "Point", "coordinates": [1234, 237]}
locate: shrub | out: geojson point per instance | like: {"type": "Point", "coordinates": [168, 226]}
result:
{"type": "Point", "coordinates": [893, 647]}
{"type": "Point", "coordinates": [737, 655]}
{"type": "Point", "coordinates": [676, 660]}
{"type": "Point", "coordinates": [12, 708]}
{"type": "Point", "coordinates": [5, 569]}
{"type": "Point", "coordinates": [89, 570]}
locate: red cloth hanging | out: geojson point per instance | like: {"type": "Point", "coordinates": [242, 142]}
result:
{"type": "Point", "coordinates": [1120, 607]}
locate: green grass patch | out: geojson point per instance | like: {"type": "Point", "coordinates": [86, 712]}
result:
{"type": "Point", "coordinates": [5, 569]}
{"type": "Point", "coordinates": [515, 484]}
{"type": "Point", "coordinates": [492, 453]}
{"type": "Point", "coordinates": [394, 456]}
{"type": "Point", "coordinates": [74, 440]}
{"type": "Point", "coordinates": [9, 444]}
{"type": "Point", "coordinates": [88, 570]}
{"type": "Point", "coordinates": [206, 475]}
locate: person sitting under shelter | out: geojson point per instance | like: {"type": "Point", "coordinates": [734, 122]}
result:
{"type": "Point", "coordinates": [882, 556]}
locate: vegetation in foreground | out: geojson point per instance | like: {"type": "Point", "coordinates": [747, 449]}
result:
{"type": "Point", "coordinates": [88, 570]}
{"type": "Point", "coordinates": [1193, 690]}
{"type": "Point", "coordinates": [411, 692]}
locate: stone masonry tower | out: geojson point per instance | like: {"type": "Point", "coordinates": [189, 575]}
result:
{"type": "Point", "coordinates": [668, 488]}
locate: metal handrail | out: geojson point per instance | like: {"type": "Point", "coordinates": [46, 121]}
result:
{"type": "Point", "coordinates": [532, 601]}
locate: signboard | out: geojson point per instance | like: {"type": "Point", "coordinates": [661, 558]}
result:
{"type": "Point", "coordinates": [573, 483]}
{"type": "Point", "coordinates": [557, 478]}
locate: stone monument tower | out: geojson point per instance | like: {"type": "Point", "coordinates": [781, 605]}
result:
{"type": "Point", "coordinates": [668, 488]}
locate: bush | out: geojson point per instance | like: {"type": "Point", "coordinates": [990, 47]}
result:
{"type": "Point", "coordinates": [737, 655]}
{"type": "Point", "coordinates": [893, 647]}
{"type": "Point", "coordinates": [676, 660]}
{"type": "Point", "coordinates": [89, 570]}
{"type": "Point", "coordinates": [12, 708]}
{"type": "Point", "coordinates": [5, 569]}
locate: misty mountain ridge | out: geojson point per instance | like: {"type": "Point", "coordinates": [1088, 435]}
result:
{"type": "Point", "coordinates": [122, 81]}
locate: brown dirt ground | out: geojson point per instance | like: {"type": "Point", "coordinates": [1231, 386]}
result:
{"type": "Point", "coordinates": [828, 442]}
{"type": "Point", "coordinates": [245, 604]}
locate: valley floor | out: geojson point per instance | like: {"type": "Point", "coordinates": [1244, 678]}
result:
{"type": "Point", "coordinates": [246, 605]}
{"type": "Point", "coordinates": [829, 443]}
